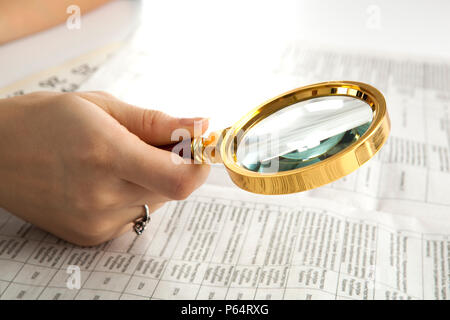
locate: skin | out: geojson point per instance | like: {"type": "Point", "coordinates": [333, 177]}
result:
{"type": "Point", "coordinates": [19, 18]}
{"type": "Point", "coordinates": [81, 165]}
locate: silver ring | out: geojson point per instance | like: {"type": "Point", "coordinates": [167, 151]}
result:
{"type": "Point", "coordinates": [141, 223]}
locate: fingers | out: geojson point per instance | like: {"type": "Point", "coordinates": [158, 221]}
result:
{"type": "Point", "coordinates": [156, 170]}
{"type": "Point", "coordinates": [151, 126]}
{"type": "Point", "coordinates": [133, 213]}
{"type": "Point", "coordinates": [134, 160]}
{"type": "Point", "coordinates": [150, 199]}
{"type": "Point", "coordinates": [127, 217]}
{"type": "Point", "coordinates": [130, 194]}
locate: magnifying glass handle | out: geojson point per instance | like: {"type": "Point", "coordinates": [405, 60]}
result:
{"type": "Point", "coordinates": [199, 149]}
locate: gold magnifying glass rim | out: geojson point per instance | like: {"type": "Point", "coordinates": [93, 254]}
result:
{"type": "Point", "coordinates": [320, 173]}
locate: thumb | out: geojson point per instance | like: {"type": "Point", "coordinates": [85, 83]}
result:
{"type": "Point", "coordinates": [152, 126]}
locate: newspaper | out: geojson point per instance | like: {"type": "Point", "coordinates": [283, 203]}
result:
{"type": "Point", "coordinates": [379, 233]}
{"type": "Point", "coordinates": [223, 243]}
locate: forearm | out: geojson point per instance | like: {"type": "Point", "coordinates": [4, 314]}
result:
{"type": "Point", "coordinates": [20, 18]}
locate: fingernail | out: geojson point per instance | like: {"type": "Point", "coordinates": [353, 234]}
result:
{"type": "Point", "coordinates": [192, 121]}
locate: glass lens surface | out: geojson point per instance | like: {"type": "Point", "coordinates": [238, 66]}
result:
{"type": "Point", "coordinates": [304, 133]}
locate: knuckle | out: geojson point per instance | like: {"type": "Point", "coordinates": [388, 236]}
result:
{"type": "Point", "coordinates": [152, 117]}
{"type": "Point", "coordinates": [105, 200]}
{"type": "Point", "coordinates": [67, 98]}
{"type": "Point", "coordinates": [43, 94]}
{"type": "Point", "coordinates": [91, 199]}
{"type": "Point", "coordinates": [148, 119]}
{"type": "Point", "coordinates": [77, 200]}
{"type": "Point", "coordinates": [95, 153]}
{"type": "Point", "coordinates": [183, 187]}
{"type": "Point", "coordinates": [103, 94]}
{"type": "Point", "coordinates": [66, 101]}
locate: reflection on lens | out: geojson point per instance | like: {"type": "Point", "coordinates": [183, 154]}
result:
{"type": "Point", "coordinates": [303, 134]}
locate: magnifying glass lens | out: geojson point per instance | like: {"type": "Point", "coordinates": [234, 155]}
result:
{"type": "Point", "coordinates": [304, 133]}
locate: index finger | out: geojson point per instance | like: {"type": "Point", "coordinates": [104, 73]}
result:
{"type": "Point", "coordinates": [158, 170]}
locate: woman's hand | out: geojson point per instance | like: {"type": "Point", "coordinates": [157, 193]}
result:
{"type": "Point", "coordinates": [81, 165]}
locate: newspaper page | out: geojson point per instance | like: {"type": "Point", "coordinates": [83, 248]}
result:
{"type": "Point", "coordinates": [223, 243]}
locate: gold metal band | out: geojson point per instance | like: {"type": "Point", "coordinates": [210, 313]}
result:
{"type": "Point", "coordinates": [320, 173]}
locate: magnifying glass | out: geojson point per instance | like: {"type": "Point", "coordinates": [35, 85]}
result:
{"type": "Point", "coordinates": [300, 140]}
